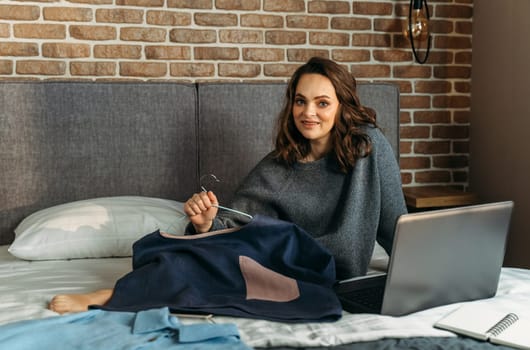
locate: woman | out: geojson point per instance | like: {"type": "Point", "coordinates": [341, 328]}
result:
{"type": "Point", "coordinates": [332, 172]}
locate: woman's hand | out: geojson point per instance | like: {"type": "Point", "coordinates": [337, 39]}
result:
{"type": "Point", "coordinates": [201, 210]}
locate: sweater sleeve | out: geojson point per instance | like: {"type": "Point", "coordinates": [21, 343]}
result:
{"type": "Point", "coordinates": [392, 198]}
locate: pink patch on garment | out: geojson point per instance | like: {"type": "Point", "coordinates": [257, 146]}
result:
{"type": "Point", "coordinates": [265, 284]}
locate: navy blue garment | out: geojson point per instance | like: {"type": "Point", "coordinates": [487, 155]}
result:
{"type": "Point", "coordinates": [267, 269]}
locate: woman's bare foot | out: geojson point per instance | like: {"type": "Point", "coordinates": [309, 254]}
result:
{"type": "Point", "coordinates": [64, 303]}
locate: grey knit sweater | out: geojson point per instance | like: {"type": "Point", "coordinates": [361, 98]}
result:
{"type": "Point", "coordinates": [346, 213]}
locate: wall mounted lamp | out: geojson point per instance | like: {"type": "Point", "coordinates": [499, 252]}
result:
{"type": "Point", "coordinates": [417, 29]}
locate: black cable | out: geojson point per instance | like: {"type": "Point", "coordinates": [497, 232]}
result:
{"type": "Point", "coordinates": [417, 5]}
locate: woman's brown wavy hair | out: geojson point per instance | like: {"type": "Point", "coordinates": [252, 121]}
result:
{"type": "Point", "coordinates": [349, 142]}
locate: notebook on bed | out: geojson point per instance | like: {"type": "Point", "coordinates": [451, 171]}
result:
{"type": "Point", "coordinates": [438, 257]}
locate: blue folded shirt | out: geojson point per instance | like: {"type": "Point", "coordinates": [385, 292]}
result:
{"type": "Point", "coordinates": [100, 329]}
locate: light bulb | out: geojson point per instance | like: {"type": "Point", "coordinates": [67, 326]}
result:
{"type": "Point", "coordinates": [419, 26]}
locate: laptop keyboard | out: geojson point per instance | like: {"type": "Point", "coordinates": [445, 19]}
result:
{"type": "Point", "coordinates": [371, 297]}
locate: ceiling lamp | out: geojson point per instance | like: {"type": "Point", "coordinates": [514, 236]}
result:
{"type": "Point", "coordinates": [417, 29]}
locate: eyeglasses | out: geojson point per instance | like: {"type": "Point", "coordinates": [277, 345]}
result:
{"type": "Point", "coordinates": [209, 178]}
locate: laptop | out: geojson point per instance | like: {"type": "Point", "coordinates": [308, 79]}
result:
{"type": "Point", "coordinates": [438, 257]}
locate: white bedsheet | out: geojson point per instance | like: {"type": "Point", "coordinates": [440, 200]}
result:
{"type": "Point", "coordinates": [26, 287]}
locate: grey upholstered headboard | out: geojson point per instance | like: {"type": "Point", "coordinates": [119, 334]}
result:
{"type": "Point", "coordinates": [66, 141]}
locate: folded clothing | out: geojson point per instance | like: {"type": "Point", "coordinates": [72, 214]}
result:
{"type": "Point", "coordinates": [99, 329]}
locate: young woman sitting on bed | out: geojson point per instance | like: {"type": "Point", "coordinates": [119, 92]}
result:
{"type": "Point", "coordinates": [332, 172]}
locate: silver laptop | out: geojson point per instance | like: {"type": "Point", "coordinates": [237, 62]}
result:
{"type": "Point", "coordinates": [438, 257]}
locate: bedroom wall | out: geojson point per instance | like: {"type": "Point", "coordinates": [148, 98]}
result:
{"type": "Point", "coordinates": [255, 40]}
{"type": "Point", "coordinates": [500, 114]}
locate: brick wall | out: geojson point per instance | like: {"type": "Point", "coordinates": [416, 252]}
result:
{"type": "Point", "coordinates": [242, 40]}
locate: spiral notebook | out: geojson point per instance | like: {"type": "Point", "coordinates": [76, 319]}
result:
{"type": "Point", "coordinates": [496, 326]}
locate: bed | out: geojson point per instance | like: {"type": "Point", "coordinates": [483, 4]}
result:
{"type": "Point", "coordinates": [87, 168]}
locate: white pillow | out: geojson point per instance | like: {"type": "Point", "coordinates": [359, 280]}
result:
{"type": "Point", "coordinates": [95, 228]}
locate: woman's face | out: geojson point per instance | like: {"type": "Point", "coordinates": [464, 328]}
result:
{"type": "Point", "coordinates": [314, 109]}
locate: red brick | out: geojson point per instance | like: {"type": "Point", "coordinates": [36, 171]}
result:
{"type": "Point", "coordinates": [215, 19]}
{"type": "Point", "coordinates": [239, 70]}
{"type": "Point", "coordinates": [414, 162]}
{"type": "Point", "coordinates": [415, 101]}
{"type": "Point", "coordinates": [329, 39]}
{"type": "Point", "coordinates": [460, 72]}
{"type": "Point", "coordinates": [118, 15]}
{"type": "Point", "coordinates": [432, 147]}
{"type": "Point", "coordinates": [280, 37]}
{"type": "Point", "coordinates": [350, 55]}
{"type": "Point", "coordinates": [238, 5]}
{"type": "Point", "coordinates": [450, 131]}
{"type": "Point", "coordinates": [328, 6]}
{"type": "Point", "coordinates": [406, 178]}
{"type": "Point", "coordinates": [310, 22]}
{"type": "Point", "coordinates": [143, 3]}
{"type": "Point", "coordinates": [4, 30]}
{"type": "Point", "coordinates": [263, 54]}
{"type": "Point", "coordinates": [463, 58]}
{"type": "Point", "coordinates": [412, 71]}
{"type": "Point", "coordinates": [440, 26]}
{"type": "Point", "coordinates": [462, 117]}
{"type": "Point", "coordinates": [371, 71]}
{"type": "Point", "coordinates": [191, 4]}
{"type": "Point", "coordinates": [372, 8]}
{"type": "Point", "coordinates": [93, 68]}
{"type": "Point", "coordinates": [261, 21]}
{"type": "Point", "coordinates": [405, 147]}
{"type": "Point", "coordinates": [216, 53]}
{"type": "Point", "coordinates": [18, 49]}
{"type": "Point", "coordinates": [464, 28]}
{"type": "Point", "coordinates": [71, 14]}
{"type": "Point", "coordinates": [463, 86]}
{"type": "Point", "coordinates": [377, 40]}
{"type": "Point", "coordinates": [142, 34]}
{"type": "Point", "coordinates": [303, 55]}
{"type": "Point", "coordinates": [279, 70]}
{"type": "Point", "coordinates": [6, 67]}
{"type": "Point", "coordinates": [453, 11]}
{"type": "Point", "coordinates": [432, 86]}
{"type": "Point", "coordinates": [461, 147]}
{"type": "Point", "coordinates": [451, 161]}
{"type": "Point", "coordinates": [453, 101]}
{"type": "Point", "coordinates": [192, 69]}
{"type": "Point", "coordinates": [415, 132]}
{"type": "Point", "coordinates": [39, 31]}
{"type": "Point", "coordinates": [19, 13]}
{"type": "Point", "coordinates": [388, 25]}
{"type": "Point", "coordinates": [41, 67]}
{"type": "Point", "coordinates": [351, 23]}
{"type": "Point", "coordinates": [241, 36]}
{"type": "Point", "coordinates": [432, 117]}
{"type": "Point", "coordinates": [195, 36]}
{"type": "Point", "coordinates": [65, 50]}
{"type": "Point", "coordinates": [452, 42]}
{"type": "Point", "coordinates": [163, 52]}
{"type": "Point", "coordinates": [143, 69]}
{"type": "Point", "coordinates": [284, 5]}
{"type": "Point", "coordinates": [118, 51]}
{"type": "Point", "coordinates": [432, 177]}
{"type": "Point", "coordinates": [167, 18]}
{"type": "Point", "coordinates": [392, 55]}
{"type": "Point", "coordinates": [89, 32]}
